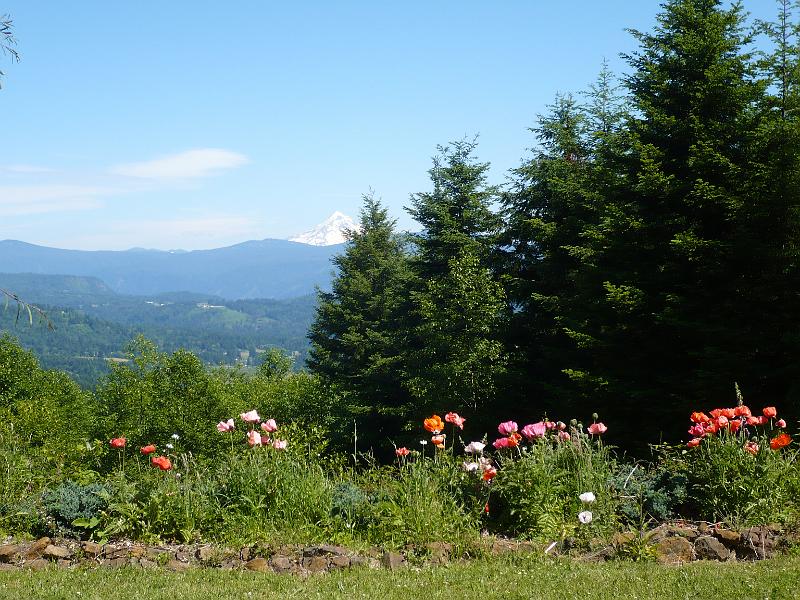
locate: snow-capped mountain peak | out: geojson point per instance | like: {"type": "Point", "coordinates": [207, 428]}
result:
{"type": "Point", "coordinates": [329, 232]}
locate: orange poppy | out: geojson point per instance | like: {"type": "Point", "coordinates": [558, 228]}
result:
{"type": "Point", "coordinates": [514, 439]}
{"type": "Point", "coordinates": [699, 417]}
{"type": "Point", "coordinates": [780, 441]}
{"type": "Point", "coordinates": [434, 424]}
{"type": "Point", "coordinates": [149, 449]}
{"type": "Point", "coordinates": [438, 441]}
{"type": "Point", "coordinates": [742, 411]}
{"type": "Point", "coordinates": [162, 462]}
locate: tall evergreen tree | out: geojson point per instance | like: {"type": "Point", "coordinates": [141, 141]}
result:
{"type": "Point", "coordinates": [659, 295]}
{"type": "Point", "coordinates": [356, 338]}
{"type": "Point", "coordinates": [457, 356]}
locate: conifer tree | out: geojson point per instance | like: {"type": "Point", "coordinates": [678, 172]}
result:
{"type": "Point", "coordinates": [357, 334]}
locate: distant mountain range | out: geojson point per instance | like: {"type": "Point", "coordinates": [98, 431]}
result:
{"type": "Point", "coordinates": [255, 269]}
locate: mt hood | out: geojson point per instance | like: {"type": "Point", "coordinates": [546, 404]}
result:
{"type": "Point", "coordinates": [328, 233]}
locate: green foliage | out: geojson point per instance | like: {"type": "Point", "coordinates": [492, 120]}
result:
{"type": "Point", "coordinates": [71, 506]}
{"type": "Point", "coordinates": [648, 493]}
{"type": "Point", "coordinates": [536, 491]}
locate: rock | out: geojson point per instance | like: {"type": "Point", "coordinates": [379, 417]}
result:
{"type": "Point", "coordinates": [137, 552]}
{"type": "Point", "coordinates": [8, 567]}
{"type": "Point", "coordinates": [280, 564]}
{"type": "Point", "coordinates": [710, 548]}
{"type": "Point", "coordinates": [730, 538]}
{"type": "Point", "coordinates": [8, 552]}
{"type": "Point", "coordinates": [340, 562]}
{"type": "Point", "coordinates": [114, 553]}
{"type": "Point", "coordinates": [64, 562]}
{"type": "Point", "coordinates": [315, 564]}
{"type": "Point", "coordinates": [92, 549]}
{"type": "Point", "coordinates": [114, 563]}
{"type": "Point", "coordinates": [37, 564]}
{"type": "Point", "coordinates": [259, 565]}
{"type": "Point", "coordinates": [393, 560]}
{"type": "Point", "coordinates": [230, 564]}
{"type": "Point", "coordinates": [206, 554]}
{"type": "Point", "coordinates": [36, 549]}
{"type": "Point", "coordinates": [358, 561]}
{"type": "Point", "coordinates": [183, 557]}
{"type": "Point", "coordinates": [757, 543]}
{"type": "Point", "coordinates": [674, 551]}
{"type": "Point", "coordinates": [439, 551]}
{"type": "Point", "coordinates": [146, 563]}
{"type": "Point", "coordinates": [55, 552]}
{"type": "Point", "coordinates": [245, 554]}
{"type": "Point", "coordinates": [325, 549]}
{"type": "Point", "coordinates": [177, 566]}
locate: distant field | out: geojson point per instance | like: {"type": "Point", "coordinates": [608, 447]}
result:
{"type": "Point", "coordinates": [516, 577]}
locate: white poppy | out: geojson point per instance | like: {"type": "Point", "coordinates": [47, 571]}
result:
{"type": "Point", "coordinates": [474, 448]}
{"type": "Point", "coordinates": [587, 497]}
{"type": "Point", "coordinates": [585, 517]}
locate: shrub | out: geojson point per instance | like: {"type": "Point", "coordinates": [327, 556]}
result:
{"type": "Point", "coordinates": [70, 503]}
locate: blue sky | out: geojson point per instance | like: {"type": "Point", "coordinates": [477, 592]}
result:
{"type": "Point", "coordinates": [197, 124]}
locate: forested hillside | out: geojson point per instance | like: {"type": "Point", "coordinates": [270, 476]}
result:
{"type": "Point", "coordinates": [92, 324]}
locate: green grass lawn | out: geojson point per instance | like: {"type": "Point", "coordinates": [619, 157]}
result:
{"type": "Point", "coordinates": [514, 577]}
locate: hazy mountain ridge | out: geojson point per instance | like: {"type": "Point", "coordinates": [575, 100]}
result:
{"type": "Point", "coordinates": [254, 269]}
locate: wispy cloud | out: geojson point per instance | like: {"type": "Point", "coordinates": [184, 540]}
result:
{"type": "Point", "coordinates": [16, 200]}
{"type": "Point", "coordinates": [185, 165]}
{"type": "Point", "coordinates": [25, 169]}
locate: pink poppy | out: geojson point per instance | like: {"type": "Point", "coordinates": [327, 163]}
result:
{"type": "Point", "coordinates": [694, 442]}
{"type": "Point", "coordinates": [751, 447]}
{"type": "Point", "coordinates": [563, 436]}
{"type": "Point", "coordinates": [597, 428]}
{"type": "Point", "coordinates": [534, 430]}
{"type": "Point", "coordinates": [507, 428]}
{"type": "Point", "coordinates": [269, 426]}
{"type": "Point", "coordinates": [226, 426]}
{"type": "Point", "coordinates": [250, 417]}
{"type": "Point", "coordinates": [253, 438]}
{"type": "Point", "coordinates": [780, 423]}
{"type": "Point", "coordinates": [453, 418]}
{"type": "Point", "coordinates": [402, 452]}
{"type": "Point", "coordinates": [280, 444]}
{"type": "Point", "coordinates": [697, 430]}
{"type": "Point", "coordinates": [501, 443]}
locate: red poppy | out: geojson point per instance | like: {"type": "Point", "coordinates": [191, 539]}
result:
{"type": "Point", "coordinates": [770, 412]}
{"type": "Point", "coordinates": [489, 473]}
{"type": "Point", "coordinates": [699, 417]}
{"type": "Point", "coordinates": [780, 441]}
{"type": "Point", "coordinates": [118, 442]}
{"type": "Point", "coordinates": [149, 449]}
{"type": "Point", "coordinates": [514, 439]}
{"type": "Point", "coordinates": [735, 425]}
{"type": "Point", "coordinates": [162, 462]}
{"type": "Point", "coordinates": [694, 442]}
{"type": "Point", "coordinates": [751, 447]}
{"type": "Point", "coordinates": [401, 452]}
{"type": "Point", "coordinates": [742, 411]}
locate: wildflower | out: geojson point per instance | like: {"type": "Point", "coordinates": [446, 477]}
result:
{"type": "Point", "coordinates": [780, 423]}
{"type": "Point", "coordinates": [699, 417]}
{"type": "Point", "coordinates": [489, 473]}
{"type": "Point", "coordinates": [474, 448]}
{"type": "Point", "coordinates": [402, 452]}
{"type": "Point", "coordinates": [254, 438]}
{"type": "Point", "coordinates": [585, 517]}
{"type": "Point", "coordinates": [280, 444]}
{"type": "Point", "coordinates": [534, 430]}
{"type": "Point", "coordinates": [501, 443]}
{"type": "Point", "coordinates": [770, 412]}
{"type": "Point", "coordinates": [438, 441]}
{"type": "Point", "coordinates": [118, 442]}
{"type": "Point", "coordinates": [751, 447]}
{"type": "Point", "coordinates": [697, 430]}
{"type": "Point", "coordinates": [169, 446]}
{"type": "Point", "coordinates": [742, 411]}
{"type": "Point", "coordinates": [175, 436]}
{"type": "Point", "coordinates": [470, 467]}
{"type": "Point", "coordinates": [250, 417]}
{"type": "Point", "coordinates": [162, 462]}
{"type": "Point", "coordinates": [433, 424]}
{"type": "Point", "coordinates": [453, 418]}
{"type": "Point", "coordinates": [507, 428]}
{"type": "Point", "coordinates": [587, 497]}
{"type": "Point", "coordinates": [270, 426]}
{"type": "Point", "coordinates": [597, 428]}
{"type": "Point", "coordinates": [694, 442]}
{"type": "Point", "coordinates": [149, 449]}
{"type": "Point", "coordinates": [780, 441]}
{"type": "Point", "coordinates": [226, 426]}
